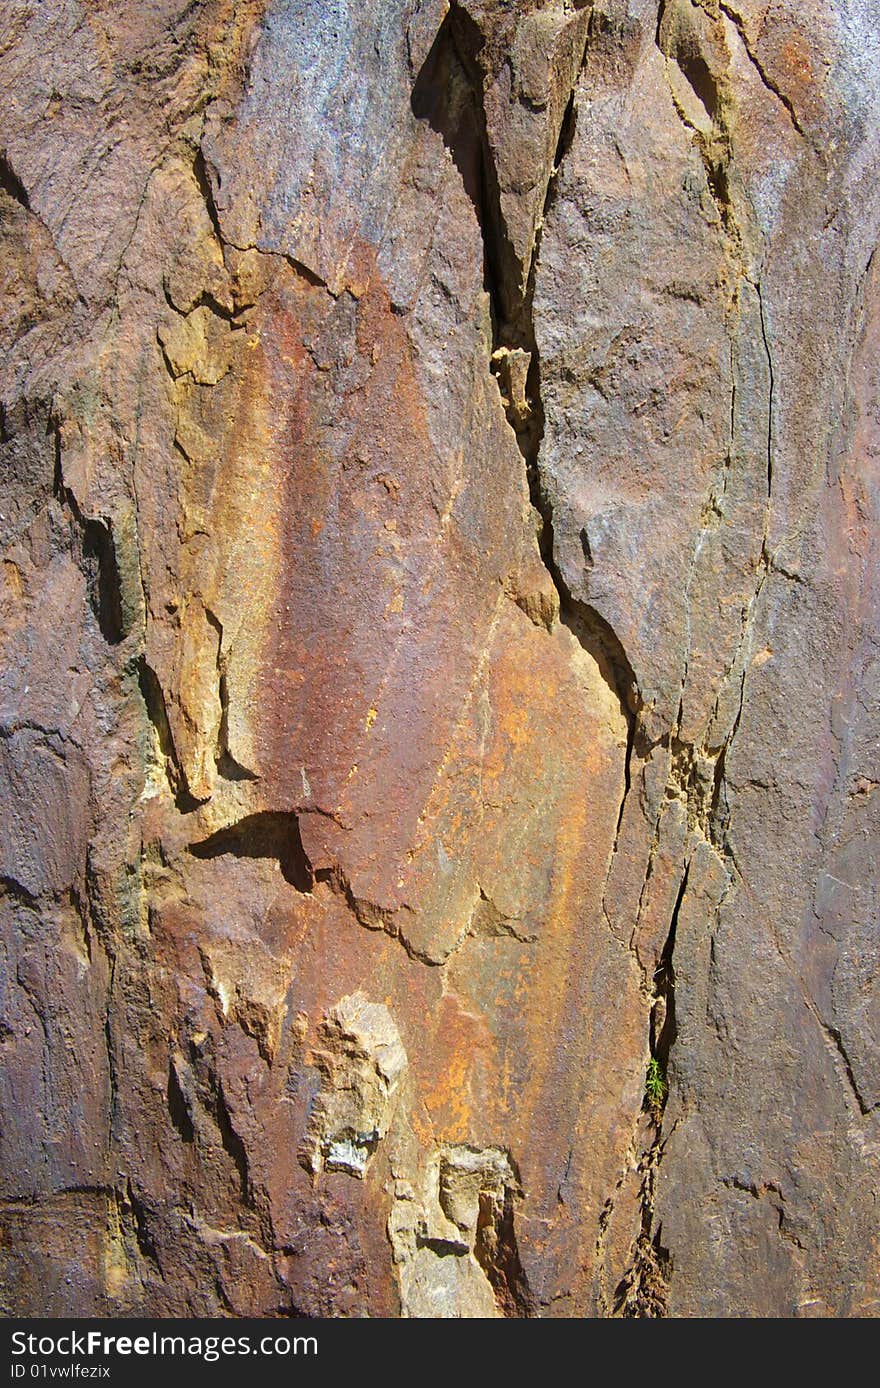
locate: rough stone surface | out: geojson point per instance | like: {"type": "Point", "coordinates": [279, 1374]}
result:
{"type": "Point", "coordinates": [438, 606]}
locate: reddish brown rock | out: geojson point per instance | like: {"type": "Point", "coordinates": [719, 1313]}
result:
{"type": "Point", "coordinates": [438, 631]}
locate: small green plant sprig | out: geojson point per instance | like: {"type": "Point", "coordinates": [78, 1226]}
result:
{"type": "Point", "coordinates": [655, 1088]}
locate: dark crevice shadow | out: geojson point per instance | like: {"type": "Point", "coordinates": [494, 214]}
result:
{"type": "Point", "coordinates": [157, 712]}
{"type": "Point", "coordinates": [232, 1143]}
{"type": "Point", "coordinates": [102, 577]}
{"type": "Point", "coordinates": [178, 1108]}
{"type": "Point", "coordinates": [448, 95]}
{"type": "Point", "coordinates": [443, 97]}
{"type": "Point", "coordinates": [271, 834]}
{"type": "Point", "coordinates": [11, 183]}
{"type": "Point", "coordinates": [227, 766]}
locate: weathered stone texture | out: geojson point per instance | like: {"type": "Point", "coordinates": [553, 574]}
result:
{"type": "Point", "coordinates": [439, 624]}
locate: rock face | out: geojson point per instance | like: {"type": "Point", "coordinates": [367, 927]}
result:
{"type": "Point", "coordinates": [439, 509]}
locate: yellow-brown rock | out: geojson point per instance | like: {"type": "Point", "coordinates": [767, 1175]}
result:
{"type": "Point", "coordinates": [438, 721]}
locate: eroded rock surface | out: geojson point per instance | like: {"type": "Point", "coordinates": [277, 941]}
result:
{"type": "Point", "coordinates": [439, 617]}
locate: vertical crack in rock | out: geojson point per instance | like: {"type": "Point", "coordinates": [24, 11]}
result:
{"type": "Point", "coordinates": [140, 1220]}
{"type": "Point", "coordinates": [515, 362]}
{"type": "Point", "coordinates": [514, 357]}
{"type": "Point", "coordinates": [200, 1111]}
{"type": "Point", "coordinates": [696, 775]}
{"type": "Point", "coordinates": [112, 1059]}
{"type": "Point", "coordinates": [643, 1289]}
{"type": "Point", "coordinates": [765, 338]}
{"type": "Point", "coordinates": [204, 544]}
{"type": "Point", "coordinates": [737, 21]}
{"type": "Point", "coordinates": [96, 552]}
{"type": "Point", "coordinates": [178, 1108]}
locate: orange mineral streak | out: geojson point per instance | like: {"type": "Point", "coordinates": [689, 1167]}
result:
{"type": "Point", "coordinates": [383, 597]}
{"type": "Point", "coordinates": [447, 1072]}
{"type": "Point", "coordinates": [368, 629]}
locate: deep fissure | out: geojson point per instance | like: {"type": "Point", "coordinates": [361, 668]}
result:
{"type": "Point", "coordinates": [642, 1292]}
